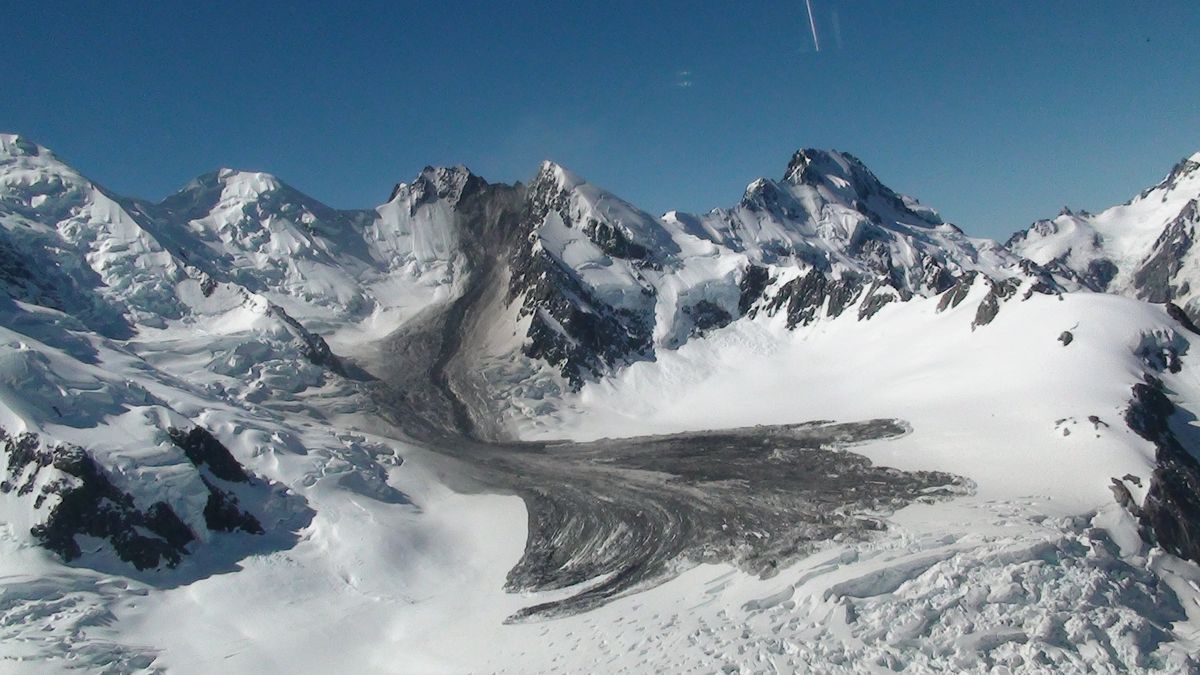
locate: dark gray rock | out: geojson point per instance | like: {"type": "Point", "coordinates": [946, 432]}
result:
{"type": "Point", "coordinates": [1176, 312]}
{"type": "Point", "coordinates": [989, 307]}
{"type": "Point", "coordinates": [958, 292]}
{"type": "Point", "coordinates": [1154, 279]}
{"type": "Point", "coordinates": [613, 241]}
{"type": "Point", "coordinates": [751, 287]}
{"type": "Point", "coordinates": [706, 315]}
{"type": "Point", "coordinates": [1170, 515]}
{"type": "Point", "coordinates": [204, 450]}
{"type": "Point", "coordinates": [571, 328]}
{"type": "Point", "coordinates": [1099, 274]}
{"type": "Point", "coordinates": [1066, 337]}
{"type": "Point", "coordinates": [312, 346]}
{"type": "Point", "coordinates": [808, 297]}
{"type": "Point", "coordinates": [874, 303]}
{"type": "Point", "coordinates": [1125, 498]}
{"type": "Point", "coordinates": [87, 503]}
{"type": "Point", "coordinates": [222, 513]}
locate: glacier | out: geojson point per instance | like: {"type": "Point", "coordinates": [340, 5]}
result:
{"type": "Point", "coordinates": [531, 427]}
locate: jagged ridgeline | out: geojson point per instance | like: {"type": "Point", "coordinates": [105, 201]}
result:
{"type": "Point", "coordinates": [564, 283]}
{"type": "Point", "coordinates": [493, 299]}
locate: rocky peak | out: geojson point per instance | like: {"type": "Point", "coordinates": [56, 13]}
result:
{"type": "Point", "coordinates": [1186, 170]}
{"type": "Point", "coordinates": [812, 166]}
{"type": "Point", "coordinates": [767, 195]}
{"type": "Point", "coordinates": [434, 183]}
{"type": "Point", "coordinates": [842, 177]}
{"type": "Point", "coordinates": [555, 177]}
{"type": "Point", "coordinates": [13, 145]}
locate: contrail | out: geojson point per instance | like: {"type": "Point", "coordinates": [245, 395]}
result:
{"type": "Point", "coordinates": [813, 23]}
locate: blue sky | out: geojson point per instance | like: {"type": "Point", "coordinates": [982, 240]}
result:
{"type": "Point", "coordinates": [995, 113]}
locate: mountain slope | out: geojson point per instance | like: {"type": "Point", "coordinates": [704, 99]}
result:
{"type": "Point", "coordinates": [239, 425]}
{"type": "Point", "coordinates": [593, 284]}
{"type": "Point", "coordinates": [1142, 248]}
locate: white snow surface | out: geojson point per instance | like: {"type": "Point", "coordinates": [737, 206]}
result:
{"type": "Point", "coordinates": [1127, 234]}
{"type": "Point", "coordinates": [115, 338]}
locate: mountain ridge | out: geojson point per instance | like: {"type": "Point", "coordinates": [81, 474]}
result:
{"type": "Point", "coordinates": [240, 402]}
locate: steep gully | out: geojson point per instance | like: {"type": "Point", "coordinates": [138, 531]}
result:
{"type": "Point", "coordinates": [612, 516]}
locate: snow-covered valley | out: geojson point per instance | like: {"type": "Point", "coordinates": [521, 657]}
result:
{"type": "Point", "coordinates": [492, 428]}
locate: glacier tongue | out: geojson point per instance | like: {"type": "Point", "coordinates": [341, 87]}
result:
{"type": "Point", "coordinates": [237, 409]}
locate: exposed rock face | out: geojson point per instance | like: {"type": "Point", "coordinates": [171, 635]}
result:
{"type": "Point", "coordinates": [813, 295]}
{"type": "Point", "coordinates": [1177, 313]}
{"type": "Point", "coordinates": [958, 292]}
{"type": "Point", "coordinates": [312, 346]}
{"type": "Point", "coordinates": [751, 287]}
{"type": "Point", "coordinates": [203, 450]}
{"type": "Point", "coordinates": [990, 306]}
{"type": "Point", "coordinates": [223, 514]}
{"type": "Point", "coordinates": [573, 326]}
{"type": "Point", "coordinates": [1143, 248]}
{"type": "Point", "coordinates": [1170, 515]}
{"type": "Point", "coordinates": [707, 315]}
{"type": "Point", "coordinates": [875, 301]}
{"type": "Point", "coordinates": [1157, 279]}
{"type": "Point", "coordinates": [83, 501]}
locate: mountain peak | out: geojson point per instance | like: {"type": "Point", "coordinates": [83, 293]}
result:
{"type": "Point", "coordinates": [1187, 169]}
{"type": "Point", "coordinates": [558, 176]}
{"type": "Point", "coordinates": [446, 182]}
{"type": "Point", "coordinates": [811, 165]}
{"type": "Point", "coordinates": [434, 183]}
{"type": "Point", "coordinates": [1184, 169]}
{"type": "Point", "coordinates": [255, 182]}
{"type": "Point", "coordinates": [14, 145]}
{"type": "Point", "coordinates": [207, 187]}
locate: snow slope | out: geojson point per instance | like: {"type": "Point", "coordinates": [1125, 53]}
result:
{"type": "Point", "coordinates": [1141, 248]}
{"type": "Point", "coordinates": [1038, 570]}
{"type": "Point", "coordinates": [231, 306]}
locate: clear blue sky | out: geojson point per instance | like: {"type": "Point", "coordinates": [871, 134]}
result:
{"type": "Point", "coordinates": [994, 112]}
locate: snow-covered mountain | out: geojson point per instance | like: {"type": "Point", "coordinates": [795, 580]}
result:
{"type": "Point", "coordinates": [590, 283]}
{"type": "Point", "coordinates": [238, 424]}
{"type": "Point", "coordinates": [1142, 248]}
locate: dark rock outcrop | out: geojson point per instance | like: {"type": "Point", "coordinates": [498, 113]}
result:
{"type": "Point", "coordinates": [751, 287]}
{"type": "Point", "coordinates": [571, 328]}
{"type": "Point", "coordinates": [82, 499]}
{"type": "Point", "coordinates": [874, 302]}
{"type": "Point", "coordinates": [1155, 279]}
{"type": "Point", "coordinates": [223, 514]}
{"type": "Point", "coordinates": [989, 307]}
{"type": "Point", "coordinates": [813, 295]}
{"type": "Point", "coordinates": [85, 502]}
{"type": "Point", "coordinates": [707, 315]}
{"type": "Point", "coordinates": [1170, 515]}
{"type": "Point", "coordinates": [203, 449]}
{"type": "Point", "coordinates": [1176, 312]}
{"type": "Point", "coordinates": [958, 292]}
{"type": "Point", "coordinates": [312, 346]}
